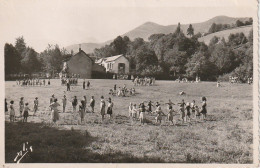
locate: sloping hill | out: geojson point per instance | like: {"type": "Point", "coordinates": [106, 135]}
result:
{"type": "Point", "coordinates": [226, 33]}
{"type": "Point", "coordinates": [147, 29]}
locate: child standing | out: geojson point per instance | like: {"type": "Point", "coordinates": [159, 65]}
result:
{"type": "Point", "coordinates": [54, 107]}
{"type": "Point", "coordinates": [21, 105]}
{"type": "Point", "coordinates": [64, 102]}
{"type": "Point", "coordinates": [130, 110]}
{"type": "Point", "coordinates": [197, 113]}
{"type": "Point", "coordinates": [109, 107]}
{"type": "Point", "coordinates": [6, 108]}
{"type": "Point", "coordinates": [85, 103]}
{"type": "Point", "coordinates": [26, 112]}
{"type": "Point", "coordinates": [36, 104]}
{"type": "Point", "coordinates": [188, 113]}
{"type": "Point", "coordinates": [102, 107]}
{"type": "Point", "coordinates": [142, 113]}
{"type": "Point", "coordinates": [150, 106]}
{"type": "Point", "coordinates": [170, 114]}
{"type": "Point", "coordinates": [182, 111]}
{"type": "Point", "coordinates": [159, 113]}
{"type": "Point", "coordinates": [84, 83]}
{"type": "Point", "coordinates": [82, 111]}
{"type": "Point", "coordinates": [192, 106]}
{"type": "Point", "coordinates": [74, 103]}
{"type": "Point", "coordinates": [134, 112]}
{"type": "Point", "coordinates": [204, 108]}
{"type": "Point", "coordinates": [12, 111]}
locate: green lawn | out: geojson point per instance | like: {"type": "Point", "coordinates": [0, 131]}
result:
{"type": "Point", "coordinates": [226, 136]}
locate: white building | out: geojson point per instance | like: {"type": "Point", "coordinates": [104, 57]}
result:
{"type": "Point", "coordinates": [118, 64]}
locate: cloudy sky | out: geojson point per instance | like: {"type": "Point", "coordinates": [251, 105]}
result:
{"type": "Point", "coordinates": [66, 22]}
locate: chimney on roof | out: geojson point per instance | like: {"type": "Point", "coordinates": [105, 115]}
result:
{"type": "Point", "coordinates": [79, 47]}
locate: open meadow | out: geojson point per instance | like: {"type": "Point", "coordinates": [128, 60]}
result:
{"type": "Point", "coordinates": [225, 137]}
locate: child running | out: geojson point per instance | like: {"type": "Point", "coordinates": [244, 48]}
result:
{"type": "Point", "coordinates": [159, 113]}
{"type": "Point", "coordinates": [170, 114]}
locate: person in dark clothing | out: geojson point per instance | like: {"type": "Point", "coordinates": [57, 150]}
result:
{"type": "Point", "coordinates": [68, 86]}
{"type": "Point", "coordinates": [74, 103]}
{"type": "Point", "coordinates": [6, 108]}
{"type": "Point", "coordinates": [88, 84]}
{"type": "Point", "coordinates": [84, 83]}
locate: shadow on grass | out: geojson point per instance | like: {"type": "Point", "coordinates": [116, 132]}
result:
{"type": "Point", "coordinates": [51, 145]}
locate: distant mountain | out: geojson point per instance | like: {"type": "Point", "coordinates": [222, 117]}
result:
{"type": "Point", "coordinates": [225, 33]}
{"type": "Point", "coordinates": [147, 29]}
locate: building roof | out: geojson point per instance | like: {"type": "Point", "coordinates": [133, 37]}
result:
{"type": "Point", "coordinates": [99, 61]}
{"type": "Point", "coordinates": [113, 58]}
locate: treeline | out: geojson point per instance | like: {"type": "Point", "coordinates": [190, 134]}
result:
{"type": "Point", "coordinates": [175, 55]}
{"type": "Point", "coordinates": [219, 27]}
{"type": "Point", "coordinates": [20, 58]}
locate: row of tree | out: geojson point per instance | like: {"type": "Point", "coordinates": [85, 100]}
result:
{"type": "Point", "coordinates": [176, 55]}
{"type": "Point", "coordinates": [219, 27]}
{"type": "Point", "coordinates": [164, 55]}
{"type": "Point", "coordinates": [20, 58]}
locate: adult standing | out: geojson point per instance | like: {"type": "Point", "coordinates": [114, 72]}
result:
{"type": "Point", "coordinates": [102, 107]}
{"type": "Point", "coordinates": [49, 82]}
{"type": "Point", "coordinates": [54, 107]}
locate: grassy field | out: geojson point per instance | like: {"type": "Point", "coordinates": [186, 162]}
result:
{"type": "Point", "coordinates": [226, 136]}
{"type": "Point", "coordinates": [226, 33]}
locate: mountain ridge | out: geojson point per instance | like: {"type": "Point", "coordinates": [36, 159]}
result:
{"type": "Point", "coordinates": [148, 28]}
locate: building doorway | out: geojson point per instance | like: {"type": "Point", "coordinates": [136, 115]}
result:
{"type": "Point", "coordinates": [121, 68]}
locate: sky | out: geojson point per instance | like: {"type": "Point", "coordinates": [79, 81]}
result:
{"type": "Point", "coordinates": [66, 22]}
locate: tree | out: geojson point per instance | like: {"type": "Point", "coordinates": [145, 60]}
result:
{"type": "Point", "coordinates": [199, 65]}
{"type": "Point", "coordinates": [190, 31]}
{"type": "Point", "coordinates": [12, 59]}
{"type": "Point", "coordinates": [119, 45]}
{"type": "Point", "coordinates": [213, 28]}
{"type": "Point", "coordinates": [239, 23]}
{"type": "Point", "coordinates": [223, 57]}
{"type": "Point", "coordinates": [145, 57]}
{"type": "Point", "coordinates": [30, 62]}
{"type": "Point", "coordinates": [250, 36]}
{"type": "Point", "coordinates": [178, 29]}
{"type": "Point", "coordinates": [20, 45]}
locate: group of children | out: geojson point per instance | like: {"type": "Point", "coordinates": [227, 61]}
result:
{"type": "Point", "coordinates": [187, 111]}
{"type": "Point", "coordinates": [146, 81]}
{"type": "Point", "coordinates": [33, 82]}
{"type": "Point", "coordinates": [122, 91]}
{"type": "Point", "coordinates": [23, 109]}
